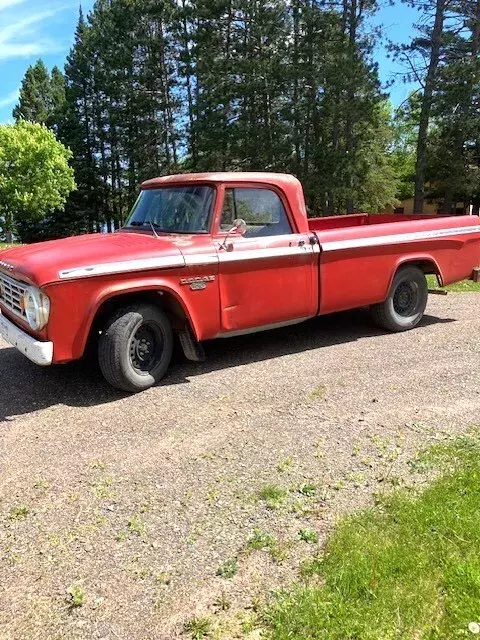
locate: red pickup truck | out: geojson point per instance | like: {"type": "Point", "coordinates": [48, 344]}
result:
{"type": "Point", "coordinates": [216, 255]}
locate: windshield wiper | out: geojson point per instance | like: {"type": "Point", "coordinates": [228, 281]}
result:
{"type": "Point", "coordinates": [153, 227]}
{"type": "Point", "coordinates": [136, 223]}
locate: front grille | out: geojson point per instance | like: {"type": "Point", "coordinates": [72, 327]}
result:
{"type": "Point", "coordinates": [11, 295]}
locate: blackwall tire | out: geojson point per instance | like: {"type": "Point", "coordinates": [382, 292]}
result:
{"type": "Point", "coordinates": [406, 302]}
{"type": "Point", "coordinates": [135, 348]}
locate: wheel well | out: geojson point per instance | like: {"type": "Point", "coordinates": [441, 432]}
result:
{"type": "Point", "coordinates": [429, 267]}
{"type": "Point", "coordinates": [164, 300]}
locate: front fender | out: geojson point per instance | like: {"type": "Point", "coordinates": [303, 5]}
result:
{"type": "Point", "coordinates": [75, 305]}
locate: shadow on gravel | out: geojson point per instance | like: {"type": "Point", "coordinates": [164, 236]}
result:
{"type": "Point", "coordinates": [25, 388]}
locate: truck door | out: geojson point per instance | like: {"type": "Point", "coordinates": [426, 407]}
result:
{"type": "Point", "coordinates": [267, 275]}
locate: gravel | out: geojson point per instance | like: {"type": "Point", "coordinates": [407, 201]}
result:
{"type": "Point", "coordinates": [134, 502]}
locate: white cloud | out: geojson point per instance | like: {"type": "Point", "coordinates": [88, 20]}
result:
{"type": "Point", "coordinates": [4, 4]}
{"type": "Point", "coordinates": [21, 35]}
{"type": "Point", "coordinates": [11, 98]}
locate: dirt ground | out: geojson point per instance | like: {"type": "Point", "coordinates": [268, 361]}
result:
{"type": "Point", "coordinates": [117, 513]}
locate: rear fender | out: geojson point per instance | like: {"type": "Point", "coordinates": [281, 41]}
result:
{"type": "Point", "coordinates": [426, 262]}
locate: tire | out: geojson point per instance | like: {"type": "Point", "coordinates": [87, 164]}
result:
{"type": "Point", "coordinates": [406, 302]}
{"type": "Point", "coordinates": [135, 348]}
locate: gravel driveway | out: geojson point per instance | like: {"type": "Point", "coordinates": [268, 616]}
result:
{"type": "Point", "coordinates": [117, 512]}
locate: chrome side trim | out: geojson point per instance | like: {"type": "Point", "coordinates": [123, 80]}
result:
{"type": "Point", "coordinates": [357, 243]}
{"type": "Point", "coordinates": [39, 352]}
{"type": "Point", "coordinates": [265, 327]}
{"type": "Point", "coordinates": [123, 267]}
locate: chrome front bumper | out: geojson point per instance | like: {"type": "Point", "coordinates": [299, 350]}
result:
{"type": "Point", "coordinates": [39, 352]}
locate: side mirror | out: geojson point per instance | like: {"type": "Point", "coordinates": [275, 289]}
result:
{"type": "Point", "coordinates": [240, 226]}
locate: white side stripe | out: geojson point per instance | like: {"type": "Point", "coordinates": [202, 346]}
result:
{"type": "Point", "coordinates": [166, 262]}
{"type": "Point", "coordinates": [256, 254]}
{"type": "Point", "coordinates": [356, 243]}
{"type": "Point", "coordinates": [170, 262]}
{"type": "Point", "coordinates": [123, 267]}
{"type": "Point", "coordinates": [200, 258]}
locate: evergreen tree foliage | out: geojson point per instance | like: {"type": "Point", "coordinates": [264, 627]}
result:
{"type": "Point", "coordinates": [443, 60]}
{"type": "Point", "coordinates": [35, 104]}
{"type": "Point", "coordinates": [42, 96]}
{"type": "Point", "coordinates": [153, 87]}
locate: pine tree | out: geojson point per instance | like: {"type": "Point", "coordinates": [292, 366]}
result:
{"type": "Point", "coordinates": [56, 100]}
{"type": "Point", "coordinates": [34, 102]}
{"type": "Point", "coordinates": [84, 207]}
{"type": "Point", "coordinates": [425, 56]}
{"type": "Point", "coordinates": [42, 96]}
{"type": "Point", "coordinates": [453, 154]}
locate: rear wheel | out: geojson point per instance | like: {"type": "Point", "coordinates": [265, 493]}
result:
{"type": "Point", "coordinates": [135, 348]}
{"type": "Point", "coordinates": [406, 302]}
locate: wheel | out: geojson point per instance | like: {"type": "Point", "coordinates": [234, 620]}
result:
{"type": "Point", "coordinates": [406, 302]}
{"type": "Point", "coordinates": [135, 348]}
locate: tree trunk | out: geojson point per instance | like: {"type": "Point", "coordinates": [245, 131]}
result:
{"type": "Point", "coordinates": [421, 162]}
{"type": "Point", "coordinates": [349, 130]}
{"type": "Point", "coordinates": [188, 81]}
{"type": "Point", "coordinates": [447, 206]}
{"type": "Point", "coordinates": [295, 105]}
{"type": "Point", "coordinates": [476, 31]}
{"type": "Point", "coordinates": [8, 227]}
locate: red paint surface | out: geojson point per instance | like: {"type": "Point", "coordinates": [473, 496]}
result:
{"type": "Point", "coordinates": [245, 293]}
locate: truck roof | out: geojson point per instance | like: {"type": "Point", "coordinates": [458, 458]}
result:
{"type": "Point", "coordinates": [275, 179]}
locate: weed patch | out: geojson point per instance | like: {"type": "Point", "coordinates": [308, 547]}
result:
{"type": "Point", "coordinates": [273, 496]}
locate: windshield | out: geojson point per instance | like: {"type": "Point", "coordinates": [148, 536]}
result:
{"type": "Point", "coordinates": [174, 209]}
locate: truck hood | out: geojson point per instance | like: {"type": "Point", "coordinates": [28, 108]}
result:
{"type": "Point", "coordinates": [89, 255]}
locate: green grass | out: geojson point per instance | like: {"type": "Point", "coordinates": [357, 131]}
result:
{"type": "Point", "coordinates": [465, 286]}
{"type": "Point", "coordinates": [408, 570]}
{"type": "Point", "coordinates": [262, 541]}
{"type": "Point", "coordinates": [228, 569]}
{"type": "Point", "coordinates": [308, 536]}
{"type": "Point", "coordinates": [198, 628]}
{"type": "Point", "coordinates": [19, 513]}
{"type": "Point", "coordinates": [6, 245]}
{"type": "Point", "coordinates": [272, 495]}
{"type": "Point", "coordinates": [76, 596]}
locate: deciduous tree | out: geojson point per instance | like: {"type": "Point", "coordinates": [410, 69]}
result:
{"type": "Point", "coordinates": [35, 177]}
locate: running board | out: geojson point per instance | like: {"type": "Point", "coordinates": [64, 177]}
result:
{"type": "Point", "coordinates": [438, 292]}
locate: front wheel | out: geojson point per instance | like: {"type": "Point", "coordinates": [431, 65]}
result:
{"type": "Point", "coordinates": [406, 302]}
{"type": "Point", "coordinates": [135, 348]}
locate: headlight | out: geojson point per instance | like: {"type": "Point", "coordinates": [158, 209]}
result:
{"type": "Point", "coordinates": [37, 308]}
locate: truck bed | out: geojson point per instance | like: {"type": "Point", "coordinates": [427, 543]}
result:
{"type": "Point", "coordinates": [361, 219]}
{"type": "Point", "coordinates": [359, 254]}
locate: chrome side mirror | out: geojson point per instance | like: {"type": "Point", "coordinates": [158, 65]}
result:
{"type": "Point", "coordinates": [239, 226]}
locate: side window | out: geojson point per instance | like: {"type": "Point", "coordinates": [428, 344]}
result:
{"type": "Point", "coordinates": [228, 212]}
{"type": "Point", "coordinates": [261, 209]}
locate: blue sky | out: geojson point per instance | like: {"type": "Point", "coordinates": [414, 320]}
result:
{"type": "Point", "coordinates": [30, 29]}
